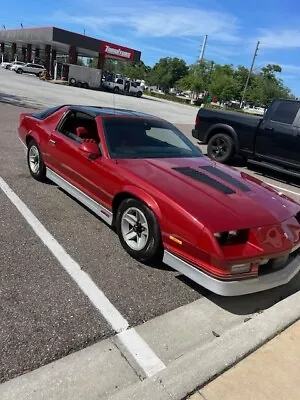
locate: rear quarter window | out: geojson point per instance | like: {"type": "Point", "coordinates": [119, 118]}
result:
{"type": "Point", "coordinates": [285, 112]}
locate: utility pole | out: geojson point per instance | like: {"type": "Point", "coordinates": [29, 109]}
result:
{"type": "Point", "coordinates": [203, 49]}
{"type": "Point", "coordinates": [250, 72]}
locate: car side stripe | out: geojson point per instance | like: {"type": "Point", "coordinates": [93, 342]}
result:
{"type": "Point", "coordinates": [203, 178]}
{"type": "Point", "coordinates": [226, 177]}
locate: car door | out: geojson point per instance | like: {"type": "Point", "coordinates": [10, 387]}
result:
{"type": "Point", "coordinates": [64, 157]}
{"type": "Point", "coordinates": [278, 138]}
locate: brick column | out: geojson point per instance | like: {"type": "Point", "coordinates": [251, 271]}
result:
{"type": "Point", "coordinates": [53, 58]}
{"type": "Point", "coordinates": [101, 61]}
{"type": "Point", "coordinates": [73, 55]}
{"type": "Point", "coordinates": [13, 50]}
{"type": "Point", "coordinates": [37, 56]}
{"type": "Point", "coordinates": [47, 57]}
{"type": "Point", "coordinates": [24, 54]}
{"type": "Point", "coordinates": [29, 53]}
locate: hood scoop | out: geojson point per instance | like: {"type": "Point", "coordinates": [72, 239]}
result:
{"type": "Point", "coordinates": [203, 178]}
{"type": "Point", "coordinates": [226, 178]}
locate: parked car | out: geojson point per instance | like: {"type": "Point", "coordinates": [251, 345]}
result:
{"type": "Point", "coordinates": [272, 141]}
{"type": "Point", "coordinates": [28, 68]}
{"type": "Point", "coordinates": [9, 65]}
{"type": "Point", "coordinates": [224, 229]}
{"type": "Point", "coordinates": [121, 85]}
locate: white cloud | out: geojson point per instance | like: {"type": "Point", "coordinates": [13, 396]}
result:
{"type": "Point", "coordinates": [281, 39]}
{"type": "Point", "coordinates": [158, 20]}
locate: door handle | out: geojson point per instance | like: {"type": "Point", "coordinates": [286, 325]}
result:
{"type": "Point", "coordinates": [52, 141]}
{"type": "Point", "coordinates": [269, 128]}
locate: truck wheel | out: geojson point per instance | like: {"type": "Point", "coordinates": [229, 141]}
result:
{"type": "Point", "coordinates": [220, 148]}
{"type": "Point", "coordinates": [139, 94]}
{"type": "Point", "coordinates": [72, 81]}
{"type": "Point", "coordinates": [116, 89]}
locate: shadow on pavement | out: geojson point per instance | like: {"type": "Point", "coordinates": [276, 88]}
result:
{"type": "Point", "coordinates": [276, 176]}
{"type": "Point", "coordinates": [19, 101]}
{"type": "Point", "coordinates": [247, 304]}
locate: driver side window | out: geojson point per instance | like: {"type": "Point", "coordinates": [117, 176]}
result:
{"type": "Point", "coordinates": [79, 127]}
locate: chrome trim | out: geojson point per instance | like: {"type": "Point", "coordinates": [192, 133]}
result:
{"type": "Point", "coordinates": [93, 205]}
{"type": "Point", "coordinates": [237, 287]}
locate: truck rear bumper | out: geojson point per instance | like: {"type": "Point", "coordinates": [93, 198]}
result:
{"type": "Point", "coordinates": [198, 135]}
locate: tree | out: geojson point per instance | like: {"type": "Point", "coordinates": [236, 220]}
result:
{"type": "Point", "coordinates": [136, 70]}
{"type": "Point", "coordinates": [198, 78]}
{"type": "Point", "coordinates": [167, 72]}
{"type": "Point", "coordinates": [266, 86]}
{"type": "Point", "coordinates": [223, 84]}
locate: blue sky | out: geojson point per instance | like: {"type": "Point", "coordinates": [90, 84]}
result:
{"type": "Point", "coordinates": [172, 28]}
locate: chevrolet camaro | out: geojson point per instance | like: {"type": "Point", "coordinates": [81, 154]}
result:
{"type": "Point", "coordinates": [224, 229]}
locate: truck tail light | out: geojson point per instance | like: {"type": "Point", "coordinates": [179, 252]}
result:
{"type": "Point", "coordinates": [197, 121]}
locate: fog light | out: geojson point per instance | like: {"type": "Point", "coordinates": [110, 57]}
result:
{"type": "Point", "coordinates": [240, 268]}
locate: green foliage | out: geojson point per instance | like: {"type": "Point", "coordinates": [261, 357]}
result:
{"type": "Point", "coordinates": [240, 110]}
{"type": "Point", "coordinates": [167, 97]}
{"type": "Point", "coordinates": [167, 71]}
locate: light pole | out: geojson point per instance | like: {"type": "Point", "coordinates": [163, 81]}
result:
{"type": "Point", "coordinates": [250, 72]}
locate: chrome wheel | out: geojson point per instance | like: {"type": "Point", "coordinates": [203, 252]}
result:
{"type": "Point", "coordinates": [134, 228]}
{"type": "Point", "coordinates": [34, 159]}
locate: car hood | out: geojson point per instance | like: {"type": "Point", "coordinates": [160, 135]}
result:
{"type": "Point", "coordinates": [220, 197]}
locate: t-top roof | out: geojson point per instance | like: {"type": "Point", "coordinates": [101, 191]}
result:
{"type": "Point", "coordinates": [60, 40]}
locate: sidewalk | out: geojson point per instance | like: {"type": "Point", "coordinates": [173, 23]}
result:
{"type": "Point", "coordinates": [270, 373]}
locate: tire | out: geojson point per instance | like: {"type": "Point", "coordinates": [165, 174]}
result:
{"type": "Point", "coordinates": [116, 89]}
{"type": "Point", "coordinates": [151, 248]}
{"type": "Point", "coordinates": [38, 170]}
{"type": "Point", "coordinates": [220, 148]}
{"type": "Point", "coordinates": [72, 81]}
{"type": "Point", "coordinates": [19, 71]}
{"type": "Point", "coordinates": [139, 94]}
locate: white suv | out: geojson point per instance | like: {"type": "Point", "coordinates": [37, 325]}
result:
{"type": "Point", "coordinates": [9, 65]}
{"type": "Point", "coordinates": [29, 68]}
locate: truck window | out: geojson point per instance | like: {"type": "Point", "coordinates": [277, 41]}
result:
{"type": "Point", "coordinates": [285, 112]}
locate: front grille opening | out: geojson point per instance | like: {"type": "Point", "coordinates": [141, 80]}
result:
{"type": "Point", "coordinates": [226, 239]}
{"type": "Point", "coordinates": [276, 264]}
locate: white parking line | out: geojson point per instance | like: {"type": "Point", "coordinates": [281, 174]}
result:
{"type": "Point", "coordinates": [281, 188]}
{"type": "Point", "coordinates": [135, 345]}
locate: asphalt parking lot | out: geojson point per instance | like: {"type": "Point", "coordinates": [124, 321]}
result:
{"type": "Point", "coordinates": [43, 313]}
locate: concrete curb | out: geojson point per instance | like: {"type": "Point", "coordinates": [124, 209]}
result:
{"type": "Point", "coordinates": [199, 366]}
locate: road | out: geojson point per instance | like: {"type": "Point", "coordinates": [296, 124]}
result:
{"type": "Point", "coordinates": [44, 314]}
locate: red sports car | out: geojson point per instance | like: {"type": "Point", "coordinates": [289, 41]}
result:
{"type": "Point", "coordinates": [224, 229]}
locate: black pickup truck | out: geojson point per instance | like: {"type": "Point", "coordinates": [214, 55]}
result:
{"type": "Point", "coordinates": [272, 141]}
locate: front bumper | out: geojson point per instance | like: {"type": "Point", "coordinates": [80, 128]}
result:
{"type": "Point", "coordinates": [237, 287]}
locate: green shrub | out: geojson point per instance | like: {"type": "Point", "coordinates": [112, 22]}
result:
{"type": "Point", "coordinates": [167, 97]}
{"type": "Point", "coordinates": [240, 110]}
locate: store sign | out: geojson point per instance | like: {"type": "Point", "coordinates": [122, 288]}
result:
{"type": "Point", "coordinates": [116, 51]}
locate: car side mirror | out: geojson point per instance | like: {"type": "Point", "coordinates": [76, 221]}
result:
{"type": "Point", "coordinates": [91, 149]}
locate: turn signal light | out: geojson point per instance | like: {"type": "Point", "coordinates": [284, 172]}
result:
{"type": "Point", "coordinates": [240, 268]}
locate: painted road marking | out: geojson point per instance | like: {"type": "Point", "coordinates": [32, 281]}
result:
{"type": "Point", "coordinates": [285, 190]}
{"type": "Point", "coordinates": [134, 344]}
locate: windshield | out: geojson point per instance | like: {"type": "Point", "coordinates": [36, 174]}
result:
{"type": "Point", "coordinates": [146, 138]}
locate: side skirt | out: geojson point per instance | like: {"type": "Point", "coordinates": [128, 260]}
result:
{"type": "Point", "coordinates": [93, 205]}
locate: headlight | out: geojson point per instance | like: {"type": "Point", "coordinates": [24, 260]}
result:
{"type": "Point", "coordinates": [232, 237]}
